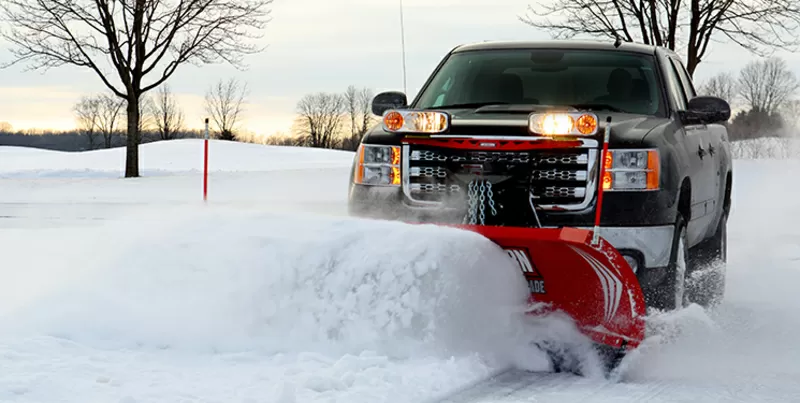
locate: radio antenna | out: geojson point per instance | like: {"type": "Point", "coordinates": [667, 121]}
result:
{"type": "Point", "coordinates": [403, 47]}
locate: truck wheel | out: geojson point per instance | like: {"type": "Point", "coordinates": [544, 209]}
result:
{"type": "Point", "coordinates": [671, 294]}
{"type": "Point", "coordinates": [707, 283]}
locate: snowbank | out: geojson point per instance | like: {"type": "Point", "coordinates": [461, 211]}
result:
{"type": "Point", "coordinates": [334, 308]}
{"type": "Point", "coordinates": [165, 157]}
{"type": "Point", "coordinates": [241, 281]}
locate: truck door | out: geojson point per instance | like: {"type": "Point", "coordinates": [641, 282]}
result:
{"type": "Point", "coordinates": [708, 151]}
{"type": "Point", "coordinates": [714, 137]}
{"type": "Point", "coordinates": [697, 156]}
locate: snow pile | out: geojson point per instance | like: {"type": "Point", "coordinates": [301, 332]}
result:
{"type": "Point", "coordinates": [333, 307]}
{"type": "Point", "coordinates": [238, 282]}
{"type": "Point", "coordinates": [164, 157]}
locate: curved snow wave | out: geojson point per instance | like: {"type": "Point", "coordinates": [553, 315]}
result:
{"type": "Point", "coordinates": [222, 280]}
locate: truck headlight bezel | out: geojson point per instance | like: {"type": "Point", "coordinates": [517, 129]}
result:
{"type": "Point", "coordinates": [378, 165]}
{"type": "Point", "coordinates": [631, 170]}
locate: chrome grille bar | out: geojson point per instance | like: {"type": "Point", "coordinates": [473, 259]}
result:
{"type": "Point", "coordinates": [564, 179]}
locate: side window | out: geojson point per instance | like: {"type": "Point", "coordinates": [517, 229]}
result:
{"type": "Point", "coordinates": [688, 87]}
{"type": "Point", "coordinates": [675, 87]}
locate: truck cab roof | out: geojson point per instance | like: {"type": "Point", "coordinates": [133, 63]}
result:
{"type": "Point", "coordinates": [561, 44]}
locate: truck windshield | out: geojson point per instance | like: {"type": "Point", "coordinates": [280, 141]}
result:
{"type": "Point", "coordinates": [595, 79]}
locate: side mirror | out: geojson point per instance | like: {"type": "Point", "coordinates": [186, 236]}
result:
{"type": "Point", "coordinates": [388, 100]}
{"type": "Point", "coordinates": [708, 109]}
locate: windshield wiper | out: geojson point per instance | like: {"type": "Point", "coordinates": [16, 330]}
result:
{"type": "Point", "coordinates": [599, 107]}
{"type": "Point", "coordinates": [468, 105]}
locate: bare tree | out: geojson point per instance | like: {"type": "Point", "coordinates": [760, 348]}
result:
{"type": "Point", "coordinates": [320, 117]}
{"type": "Point", "coordinates": [722, 85]}
{"type": "Point", "coordinates": [756, 25]}
{"type": "Point", "coordinates": [358, 104]}
{"type": "Point", "coordinates": [791, 113]}
{"type": "Point", "coordinates": [755, 123]}
{"type": "Point", "coordinates": [143, 41]}
{"type": "Point", "coordinates": [87, 112]}
{"type": "Point", "coordinates": [224, 106]}
{"type": "Point", "coordinates": [767, 84]}
{"type": "Point", "coordinates": [6, 127]}
{"type": "Point", "coordinates": [765, 147]}
{"type": "Point", "coordinates": [283, 139]}
{"type": "Point", "coordinates": [110, 113]}
{"type": "Point", "coordinates": [166, 117]}
{"type": "Point", "coordinates": [98, 115]}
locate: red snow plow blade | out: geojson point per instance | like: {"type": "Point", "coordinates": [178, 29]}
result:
{"type": "Point", "coordinates": [592, 284]}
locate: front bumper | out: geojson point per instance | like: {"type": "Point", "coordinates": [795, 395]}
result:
{"type": "Point", "coordinates": [647, 242]}
{"type": "Point", "coordinates": [651, 245]}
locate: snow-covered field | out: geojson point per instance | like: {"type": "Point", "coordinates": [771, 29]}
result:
{"type": "Point", "coordinates": [134, 290]}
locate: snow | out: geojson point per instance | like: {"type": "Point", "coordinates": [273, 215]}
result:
{"type": "Point", "coordinates": [751, 339]}
{"type": "Point", "coordinates": [165, 158]}
{"type": "Point", "coordinates": [311, 307]}
{"type": "Point", "coordinates": [134, 290]}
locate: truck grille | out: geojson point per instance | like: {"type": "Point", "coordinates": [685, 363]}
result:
{"type": "Point", "coordinates": [554, 178]}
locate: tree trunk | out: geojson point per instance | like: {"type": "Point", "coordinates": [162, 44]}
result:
{"type": "Point", "coordinates": [91, 139]}
{"type": "Point", "coordinates": [693, 47]}
{"type": "Point", "coordinates": [691, 65]}
{"type": "Point", "coordinates": [132, 149]}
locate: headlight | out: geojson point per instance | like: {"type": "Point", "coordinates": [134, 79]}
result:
{"type": "Point", "coordinates": [631, 170]}
{"type": "Point", "coordinates": [563, 124]}
{"type": "Point", "coordinates": [378, 165]}
{"type": "Point", "coordinates": [425, 122]}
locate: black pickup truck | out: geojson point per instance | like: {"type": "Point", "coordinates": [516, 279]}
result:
{"type": "Point", "coordinates": [667, 188]}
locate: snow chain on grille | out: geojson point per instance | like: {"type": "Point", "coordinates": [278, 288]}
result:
{"type": "Point", "coordinates": [479, 191]}
{"type": "Point", "coordinates": [560, 179]}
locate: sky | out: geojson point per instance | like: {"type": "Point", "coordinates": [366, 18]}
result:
{"type": "Point", "coordinates": [311, 46]}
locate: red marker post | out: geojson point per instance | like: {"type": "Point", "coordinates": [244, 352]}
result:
{"type": "Point", "coordinates": [600, 189]}
{"type": "Point", "coordinates": [205, 165]}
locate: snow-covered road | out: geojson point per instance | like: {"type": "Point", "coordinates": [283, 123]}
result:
{"type": "Point", "coordinates": [135, 291]}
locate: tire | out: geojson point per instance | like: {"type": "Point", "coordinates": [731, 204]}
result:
{"type": "Point", "coordinates": [707, 282]}
{"type": "Point", "coordinates": [671, 293]}
{"type": "Point", "coordinates": [570, 359]}
{"type": "Point", "coordinates": [611, 357]}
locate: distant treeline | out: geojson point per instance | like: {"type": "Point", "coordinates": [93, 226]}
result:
{"type": "Point", "coordinates": [76, 141]}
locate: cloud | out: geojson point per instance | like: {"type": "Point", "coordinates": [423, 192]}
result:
{"type": "Point", "coordinates": [38, 107]}
{"type": "Point", "coordinates": [312, 45]}
{"type": "Point", "coordinates": [318, 45]}
{"type": "Point", "coordinates": [262, 115]}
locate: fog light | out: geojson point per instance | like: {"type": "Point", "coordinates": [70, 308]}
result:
{"type": "Point", "coordinates": [632, 261]}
